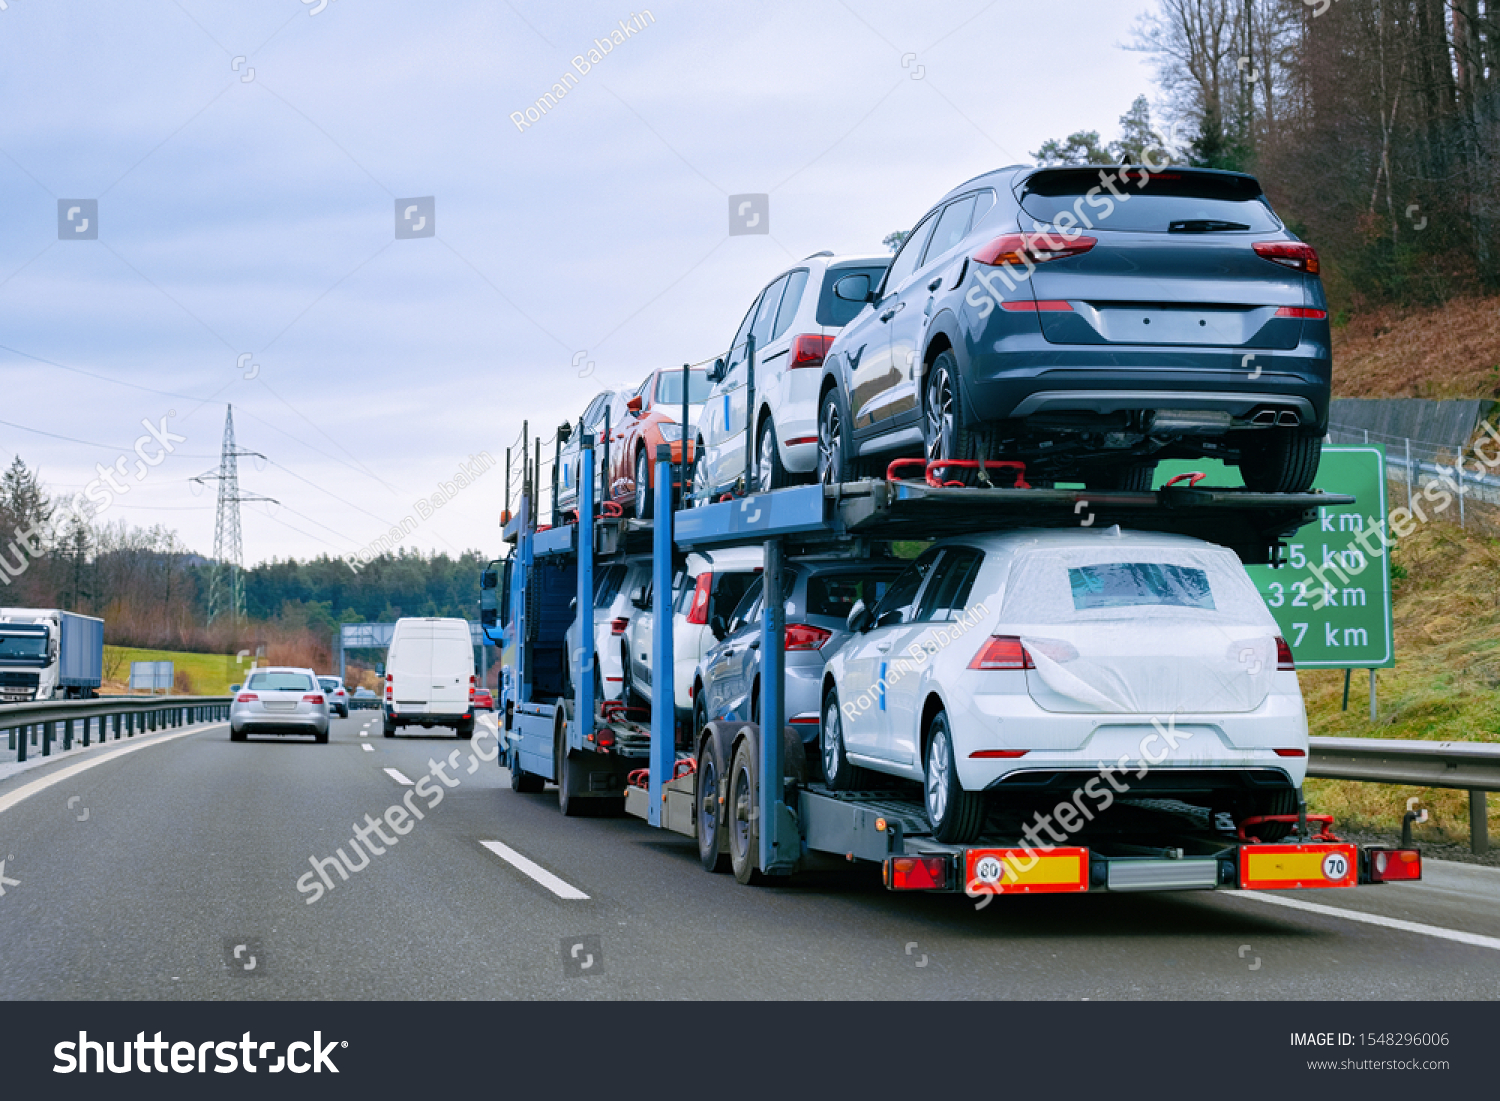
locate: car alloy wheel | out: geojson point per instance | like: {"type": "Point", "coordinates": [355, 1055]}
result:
{"type": "Point", "coordinates": [642, 487]}
{"type": "Point", "coordinates": [941, 417]}
{"type": "Point", "coordinates": [830, 442]}
{"type": "Point", "coordinates": [937, 776]}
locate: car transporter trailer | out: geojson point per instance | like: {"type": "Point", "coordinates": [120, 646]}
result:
{"type": "Point", "coordinates": [748, 799]}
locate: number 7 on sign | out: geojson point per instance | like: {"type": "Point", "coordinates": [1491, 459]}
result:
{"type": "Point", "coordinates": [1301, 629]}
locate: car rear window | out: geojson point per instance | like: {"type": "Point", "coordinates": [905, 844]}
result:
{"type": "Point", "coordinates": [1171, 201]}
{"type": "Point", "coordinates": [330, 683]}
{"type": "Point", "coordinates": [835, 313]}
{"type": "Point", "coordinates": [835, 594]}
{"type": "Point", "coordinates": [1139, 585]}
{"type": "Point", "coordinates": [279, 682]}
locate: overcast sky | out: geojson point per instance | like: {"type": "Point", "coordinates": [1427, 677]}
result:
{"type": "Point", "coordinates": [247, 159]}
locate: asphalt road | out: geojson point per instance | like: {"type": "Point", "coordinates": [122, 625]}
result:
{"type": "Point", "coordinates": [176, 854]}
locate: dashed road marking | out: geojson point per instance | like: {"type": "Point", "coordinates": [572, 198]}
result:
{"type": "Point", "coordinates": [367, 747]}
{"type": "Point", "coordinates": [1461, 937]}
{"type": "Point", "coordinates": [557, 886]}
{"type": "Point", "coordinates": [397, 775]}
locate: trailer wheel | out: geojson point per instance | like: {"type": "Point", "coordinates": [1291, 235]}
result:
{"type": "Point", "coordinates": [956, 815]}
{"type": "Point", "coordinates": [710, 814]}
{"type": "Point", "coordinates": [744, 811]}
{"type": "Point", "coordinates": [838, 773]}
{"type": "Point", "coordinates": [570, 806]}
{"type": "Point", "coordinates": [521, 781]}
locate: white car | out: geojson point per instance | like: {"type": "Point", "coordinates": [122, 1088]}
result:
{"type": "Point", "coordinates": [613, 585]}
{"type": "Point", "coordinates": [429, 678]}
{"type": "Point", "coordinates": [279, 700]}
{"type": "Point", "coordinates": [338, 695]}
{"type": "Point", "coordinates": [794, 320]}
{"type": "Point", "coordinates": [711, 584]}
{"type": "Point", "coordinates": [1018, 668]}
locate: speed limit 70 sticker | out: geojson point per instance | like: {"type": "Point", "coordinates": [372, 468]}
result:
{"type": "Point", "coordinates": [1292, 867]}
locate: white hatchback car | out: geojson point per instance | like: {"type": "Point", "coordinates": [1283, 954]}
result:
{"type": "Point", "coordinates": [613, 585]}
{"type": "Point", "coordinates": [794, 320]}
{"type": "Point", "coordinates": [1031, 665]}
{"type": "Point", "coordinates": [279, 700]}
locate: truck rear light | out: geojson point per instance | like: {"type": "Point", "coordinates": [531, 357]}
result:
{"type": "Point", "coordinates": [698, 613]}
{"type": "Point", "coordinates": [1291, 753]}
{"type": "Point", "coordinates": [1289, 254]}
{"type": "Point", "coordinates": [246, 697]}
{"type": "Point", "coordinates": [1284, 662]}
{"type": "Point", "coordinates": [1045, 305]}
{"type": "Point", "coordinates": [1302, 312]}
{"type": "Point", "coordinates": [1002, 652]}
{"type": "Point", "coordinates": [1025, 249]}
{"type": "Point", "coordinates": [1394, 865]}
{"type": "Point", "coordinates": [916, 873]}
{"type": "Point", "coordinates": [617, 626]}
{"type": "Point", "coordinates": [809, 349]}
{"type": "Point", "coordinates": [804, 636]}
{"type": "Point", "coordinates": [313, 697]}
{"type": "Point", "coordinates": [997, 754]}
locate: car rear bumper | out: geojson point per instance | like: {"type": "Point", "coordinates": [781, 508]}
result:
{"type": "Point", "coordinates": [291, 723]}
{"type": "Point", "coordinates": [427, 718]}
{"type": "Point", "coordinates": [1023, 376]}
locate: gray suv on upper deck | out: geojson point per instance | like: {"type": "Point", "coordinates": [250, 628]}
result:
{"type": "Point", "coordinates": [1089, 322]}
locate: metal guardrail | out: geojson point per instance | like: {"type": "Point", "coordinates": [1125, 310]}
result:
{"type": "Point", "coordinates": [1470, 766]}
{"type": "Point", "coordinates": [130, 714]}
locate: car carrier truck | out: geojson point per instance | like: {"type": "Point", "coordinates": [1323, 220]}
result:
{"type": "Point", "coordinates": [755, 803]}
{"type": "Point", "coordinates": [49, 654]}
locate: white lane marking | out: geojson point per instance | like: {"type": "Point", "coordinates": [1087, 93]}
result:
{"type": "Point", "coordinates": [534, 870]}
{"type": "Point", "coordinates": [364, 733]}
{"type": "Point", "coordinates": [26, 791]}
{"type": "Point", "coordinates": [367, 747]}
{"type": "Point", "coordinates": [397, 775]}
{"type": "Point", "coordinates": [1473, 939]}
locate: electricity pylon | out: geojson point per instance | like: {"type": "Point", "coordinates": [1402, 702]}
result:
{"type": "Point", "coordinates": [226, 592]}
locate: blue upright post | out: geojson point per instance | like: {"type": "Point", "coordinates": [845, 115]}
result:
{"type": "Point", "coordinates": [663, 695]}
{"type": "Point", "coordinates": [522, 570]}
{"type": "Point", "coordinates": [583, 661]}
{"type": "Point", "coordinates": [772, 632]}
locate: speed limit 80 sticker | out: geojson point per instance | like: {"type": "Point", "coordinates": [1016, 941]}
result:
{"type": "Point", "coordinates": [1290, 867]}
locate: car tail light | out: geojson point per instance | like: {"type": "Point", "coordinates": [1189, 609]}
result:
{"type": "Point", "coordinates": [1284, 662]}
{"type": "Point", "coordinates": [916, 873]}
{"type": "Point", "coordinates": [246, 697]}
{"type": "Point", "coordinates": [799, 440]}
{"type": "Point", "coordinates": [313, 697]}
{"type": "Point", "coordinates": [1302, 312]}
{"type": "Point", "coordinates": [1289, 254]}
{"type": "Point", "coordinates": [617, 626]}
{"type": "Point", "coordinates": [1387, 865]}
{"type": "Point", "coordinates": [471, 688]}
{"type": "Point", "coordinates": [698, 613]}
{"type": "Point", "coordinates": [997, 754]}
{"type": "Point", "coordinates": [809, 349]}
{"type": "Point", "coordinates": [1002, 652]}
{"type": "Point", "coordinates": [1291, 753]}
{"type": "Point", "coordinates": [804, 636]}
{"type": "Point", "coordinates": [1046, 305]}
{"type": "Point", "coordinates": [1024, 249]}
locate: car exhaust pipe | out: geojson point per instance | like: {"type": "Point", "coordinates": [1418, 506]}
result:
{"type": "Point", "coordinates": [1265, 417]}
{"type": "Point", "coordinates": [1288, 419]}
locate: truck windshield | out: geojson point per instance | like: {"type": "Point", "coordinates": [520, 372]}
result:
{"type": "Point", "coordinates": [23, 646]}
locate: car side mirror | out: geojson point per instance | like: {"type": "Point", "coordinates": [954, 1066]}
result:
{"type": "Point", "coordinates": [565, 432]}
{"type": "Point", "coordinates": [489, 580]}
{"type": "Point", "coordinates": [716, 374]}
{"type": "Point", "coordinates": [487, 617]}
{"type": "Point", "coordinates": [634, 405]}
{"type": "Point", "coordinates": [859, 618]}
{"type": "Point", "coordinates": [853, 288]}
{"type": "Point", "coordinates": [718, 627]}
{"type": "Point", "coordinates": [638, 598]}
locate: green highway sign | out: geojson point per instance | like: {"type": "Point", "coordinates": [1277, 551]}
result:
{"type": "Point", "coordinates": [1332, 597]}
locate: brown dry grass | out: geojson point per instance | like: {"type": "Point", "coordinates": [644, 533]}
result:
{"type": "Point", "coordinates": [1449, 352]}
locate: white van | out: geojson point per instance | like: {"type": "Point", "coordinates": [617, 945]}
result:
{"type": "Point", "coordinates": [429, 676]}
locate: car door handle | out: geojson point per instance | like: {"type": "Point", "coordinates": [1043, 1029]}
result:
{"type": "Point", "coordinates": [935, 284]}
{"type": "Point", "coordinates": [754, 645]}
{"type": "Point", "coordinates": [888, 315]}
{"type": "Point", "coordinates": [886, 649]}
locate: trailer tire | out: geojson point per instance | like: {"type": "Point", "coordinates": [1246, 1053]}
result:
{"type": "Point", "coordinates": [521, 781]}
{"type": "Point", "coordinates": [567, 801]}
{"type": "Point", "coordinates": [743, 810]}
{"type": "Point", "coordinates": [710, 813]}
{"type": "Point", "coordinates": [956, 815]}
